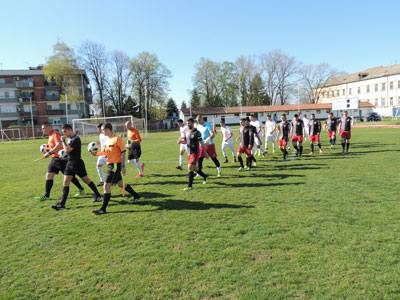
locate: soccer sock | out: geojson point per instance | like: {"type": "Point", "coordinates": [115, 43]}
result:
{"type": "Point", "coordinates": [64, 196]}
{"type": "Point", "coordinates": [139, 167]}
{"type": "Point", "coordinates": [252, 158]}
{"type": "Point", "coordinates": [319, 145]}
{"type": "Point", "coordinates": [202, 174]}
{"type": "Point", "coordinates": [332, 142]}
{"type": "Point", "coordinates": [285, 153]}
{"type": "Point", "coordinates": [301, 150]}
{"type": "Point", "coordinates": [181, 160]}
{"type": "Point", "coordinates": [248, 162]}
{"type": "Point", "coordinates": [94, 188]}
{"type": "Point", "coordinates": [216, 162]}
{"type": "Point", "coordinates": [106, 199]}
{"type": "Point", "coordinates": [131, 191]}
{"type": "Point", "coordinates": [312, 147]}
{"type": "Point", "coordinates": [297, 148]}
{"type": "Point", "coordinates": [76, 182]}
{"type": "Point", "coordinates": [343, 144]}
{"type": "Point", "coordinates": [200, 164]}
{"type": "Point", "coordinates": [100, 172]}
{"type": "Point", "coordinates": [49, 185]}
{"type": "Point", "coordinates": [191, 177]}
{"type": "Point", "coordinates": [347, 147]}
{"type": "Point", "coordinates": [240, 159]}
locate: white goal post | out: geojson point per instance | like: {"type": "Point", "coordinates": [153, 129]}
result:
{"type": "Point", "coordinates": [86, 127]}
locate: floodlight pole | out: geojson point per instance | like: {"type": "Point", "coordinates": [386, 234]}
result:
{"type": "Point", "coordinates": [66, 105]}
{"type": "Point", "coordinates": [33, 130]}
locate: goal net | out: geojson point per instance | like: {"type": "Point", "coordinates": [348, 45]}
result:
{"type": "Point", "coordinates": [86, 128]}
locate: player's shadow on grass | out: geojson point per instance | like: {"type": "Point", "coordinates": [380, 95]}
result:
{"type": "Point", "coordinates": [252, 185]}
{"type": "Point", "coordinates": [369, 145]}
{"type": "Point", "coordinates": [179, 205]}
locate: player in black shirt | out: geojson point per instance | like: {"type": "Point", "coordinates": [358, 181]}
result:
{"type": "Point", "coordinates": [297, 133]}
{"type": "Point", "coordinates": [345, 124]}
{"type": "Point", "coordinates": [75, 166]}
{"type": "Point", "coordinates": [246, 137]}
{"type": "Point", "coordinates": [192, 139]}
{"type": "Point", "coordinates": [314, 133]}
{"type": "Point", "coordinates": [256, 136]}
{"type": "Point", "coordinates": [331, 124]}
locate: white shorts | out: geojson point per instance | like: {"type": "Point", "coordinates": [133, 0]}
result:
{"type": "Point", "coordinates": [102, 160]}
{"type": "Point", "coordinates": [256, 139]}
{"type": "Point", "coordinates": [183, 147]}
{"type": "Point", "coordinates": [270, 138]}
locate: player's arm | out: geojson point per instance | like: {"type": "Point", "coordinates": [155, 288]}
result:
{"type": "Point", "coordinates": [66, 147]}
{"type": "Point", "coordinates": [352, 121]}
{"type": "Point", "coordinates": [53, 150]}
{"type": "Point", "coordinates": [278, 132]}
{"type": "Point", "coordinates": [204, 148]}
{"type": "Point", "coordinates": [229, 137]}
{"type": "Point", "coordinates": [258, 138]}
{"type": "Point", "coordinates": [291, 131]}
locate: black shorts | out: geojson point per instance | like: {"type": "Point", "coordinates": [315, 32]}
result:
{"type": "Point", "coordinates": [113, 173]}
{"type": "Point", "coordinates": [75, 168]}
{"type": "Point", "coordinates": [135, 152]}
{"type": "Point", "coordinates": [56, 165]}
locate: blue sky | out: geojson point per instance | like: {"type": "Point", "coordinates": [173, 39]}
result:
{"type": "Point", "coordinates": [349, 35]}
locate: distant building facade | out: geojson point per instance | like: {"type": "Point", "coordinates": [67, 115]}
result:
{"type": "Point", "coordinates": [24, 90]}
{"type": "Point", "coordinates": [379, 86]}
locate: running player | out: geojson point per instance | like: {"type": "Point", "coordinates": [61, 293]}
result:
{"type": "Point", "coordinates": [56, 164]}
{"type": "Point", "coordinates": [246, 137]}
{"type": "Point", "coordinates": [101, 160]}
{"type": "Point", "coordinates": [75, 166]}
{"type": "Point", "coordinates": [297, 133]}
{"type": "Point", "coordinates": [207, 135]}
{"type": "Point", "coordinates": [331, 124]}
{"type": "Point", "coordinates": [270, 133]}
{"type": "Point", "coordinates": [259, 130]}
{"type": "Point", "coordinates": [284, 130]}
{"type": "Point", "coordinates": [115, 151]}
{"type": "Point", "coordinates": [315, 132]}
{"type": "Point", "coordinates": [135, 150]}
{"type": "Point", "coordinates": [183, 147]}
{"type": "Point", "coordinates": [192, 139]}
{"type": "Point", "coordinates": [227, 140]}
{"type": "Point", "coordinates": [345, 124]}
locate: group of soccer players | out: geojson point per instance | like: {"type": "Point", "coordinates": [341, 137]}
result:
{"type": "Point", "coordinates": [112, 153]}
{"type": "Point", "coordinates": [196, 139]}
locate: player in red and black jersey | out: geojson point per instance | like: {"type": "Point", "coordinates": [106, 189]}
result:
{"type": "Point", "coordinates": [283, 134]}
{"type": "Point", "coordinates": [246, 137]}
{"type": "Point", "coordinates": [193, 139]}
{"type": "Point", "coordinates": [345, 124]}
{"type": "Point", "coordinates": [297, 132]}
{"type": "Point", "coordinates": [331, 124]}
{"type": "Point", "coordinates": [314, 133]}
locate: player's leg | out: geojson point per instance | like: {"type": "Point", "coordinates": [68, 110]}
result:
{"type": "Point", "coordinates": [273, 138]}
{"type": "Point", "coordinates": [48, 186]}
{"type": "Point", "coordinates": [232, 147]}
{"type": "Point", "coordinates": [312, 145]}
{"type": "Point", "coordinates": [239, 156]}
{"type": "Point", "coordinates": [182, 150]}
{"type": "Point", "coordinates": [294, 143]}
{"type": "Point", "coordinates": [224, 145]}
{"type": "Point", "coordinates": [65, 192]}
{"type": "Point", "coordinates": [319, 143]}
{"type": "Point", "coordinates": [99, 167]}
{"type": "Point", "coordinates": [347, 145]}
{"type": "Point", "coordinates": [301, 146]}
{"type": "Point", "coordinates": [107, 193]}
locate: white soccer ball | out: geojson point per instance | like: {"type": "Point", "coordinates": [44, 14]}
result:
{"type": "Point", "coordinates": [62, 154]}
{"type": "Point", "coordinates": [43, 148]}
{"type": "Point", "coordinates": [93, 147]}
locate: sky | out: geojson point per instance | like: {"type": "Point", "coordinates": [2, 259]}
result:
{"type": "Point", "coordinates": [349, 35]}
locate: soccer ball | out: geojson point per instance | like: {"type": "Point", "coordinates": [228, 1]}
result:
{"type": "Point", "coordinates": [62, 154]}
{"type": "Point", "coordinates": [44, 148]}
{"type": "Point", "coordinates": [93, 147]}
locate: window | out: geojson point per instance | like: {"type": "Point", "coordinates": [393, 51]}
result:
{"type": "Point", "coordinates": [355, 110]}
{"type": "Point", "coordinates": [349, 91]}
{"type": "Point", "coordinates": [337, 93]}
{"type": "Point", "coordinates": [327, 94]}
{"type": "Point", "coordinates": [391, 101]}
{"type": "Point", "coordinates": [205, 118]}
{"type": "Point", "coordinates": [391, 85]}
{"type": "Point", "coordinates": [318, 111]}
{"type": "Point", "coordinates": [236, 115]}
{"type": "Point", "coordinates": [367, 88]}
{"type": "Point", "coordinates": [2, 80]}
{"type": "Point", "coordinates": [398, 101]}
{"type": "Point", "coordinates": [49, 108]}
{"type": "Point", "coordinates": [359, 90]}
{"type": "Point", "coordinates": [376, 102]}
{"type": "Point", "coordinates": [344, 92]}
{"type": "Point", "coordinates": [6, 94]}
{"type": "Point", "coordinates": [383, 86]}
{"type": "Point", "coordinates": [323, 94]}
{"type": "Point", "coordinates": [328, 111]}
{"type": "Point", "coordinates": [9, 108]}
{"type": "Point", "coordinates": [398, 84]}
{"type": "Point", "coordinates": [383, 102]}
{"type": "Point", "coordinates": [376, 87]}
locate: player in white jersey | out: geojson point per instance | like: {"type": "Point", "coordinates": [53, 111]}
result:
{"type": "Point", "coordinates": [227, 141]}
{"type": "Point", "coordinates": [270, 133]}
{"type": "Point", "coordinates": [101, 160]}
{"type": "Point", "coordinates": [182, 147]}
{"type": "Point", "coordinates": [306, 122]}
{"type": "Point", "coordinates": [259, 127]}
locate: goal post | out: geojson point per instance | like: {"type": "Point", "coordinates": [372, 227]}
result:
{"type": "Point", "coordinates": [88, 127]}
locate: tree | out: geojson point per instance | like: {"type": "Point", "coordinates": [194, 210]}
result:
{"type": "Point", "coordinates": [95, 60]}
{"type": "Point", "coordinates": [206, 82]}
{"type": "Point", "coordinates": [257, 93]}
{"type": "Point", "coordinates": [62, 68]}
{"type": "Point", "coordinates": [195, 100]}
{"type": "Point", "coordinates": [183, 105]}
{"type": "Point", "coordinates": [171, 108]}
{"type": "Point", "coordinates": [246, 69]}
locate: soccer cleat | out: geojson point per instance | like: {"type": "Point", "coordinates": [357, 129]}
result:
{"type": "Point", "coordinates": [254, 164]}
{"type": "Point", "coordinates": [136, 198]}
{"type": "Point", "coordinates": [96, 199]}
{"type": "Point", "coordinates": [198, 176]}
{"type": "Point", "coordinates": [273, 151]}
{"type": "Point", "coordinates": [100, 183]}
{"type": "Point", "coordinates": [219, 174]}
{"type": "Point", "coordinates": [297, 153]}
{"type": "Point", "coordinates": [42, 198]}
{"type": "Point", "coordinates": [205, 180]}
{"type": "Point", "coordinates": [248, 169]}
{"type": "Point", "coordinates": [58, 206]}
{"type": "Point", "coordinates": [320, 151]}
{"type": "Point", "coordinates": [189, 188]}
{"type": "Point", "coordinates": [311, 153]}
{"type": "Point", "coordinates": [225, 161]}
{"type": "Point", "coordinates": [179, 168]}
{"type": "Point", "coordinates": [240, 169]}
{"type": "Point", "coordinates": [263, 155]}
{"type": "Point", "coordinates": [80, 193]}
{"type": "Point", "coordinates": [139, 175]}
{"type": "Point", "coordinates": [331, 146]}
{"type": "Point", "coordinates": [142, 167]}
{"type": "Point", "coordinates": [99, 212]}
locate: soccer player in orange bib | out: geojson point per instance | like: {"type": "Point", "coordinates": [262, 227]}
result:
{"type": "Point", "coordinates": [115, 151]}
{"type": "Point", "coordinates": [134, 149]}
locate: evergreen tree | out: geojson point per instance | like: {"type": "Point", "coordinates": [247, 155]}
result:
{"type": "Point", "coordinates": [171, 108]}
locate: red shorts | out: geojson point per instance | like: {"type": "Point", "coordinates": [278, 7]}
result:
{"type": "Point", "coordinates": [283, 143]}
{"type": "Point", "coordinates": [331, 134]}
{"type": "Point", "coordinates": [210, 150]}
{"type": "Point", "coordinates": [244, 150]}
{"type": "Point", "coordinates": [345, 134]}
{"type": "Point", "coordinates": [297, 138]}
{"type": "Point", "coordinates": [314, 138]}
{"type": "Point", "coordinates": [192, 159]}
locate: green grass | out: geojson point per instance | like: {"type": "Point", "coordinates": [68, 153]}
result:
{"type": "Point", "coordinates": [323, 227]}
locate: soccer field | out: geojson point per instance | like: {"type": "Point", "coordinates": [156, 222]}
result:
{"type": "Point", "coordinates": [322, 227]}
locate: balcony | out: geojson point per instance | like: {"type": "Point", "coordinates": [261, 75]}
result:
{"type": "Point", "coordinates": [52, 112]}
{"type": "Point", "coordinates": [53, 98]}
{"type": "Point", "coordinates": [23, 99]}
{"type": "Point", "coordinates": [27, 114]}
{"type": "Point", "coordinates": [24, 84]}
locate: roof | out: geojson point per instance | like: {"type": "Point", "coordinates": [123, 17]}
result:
{"type": "Point", "coordinates": [260, 109]}
{"type": "Point", "coordinates": [371, 73]}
